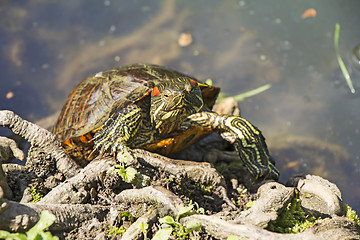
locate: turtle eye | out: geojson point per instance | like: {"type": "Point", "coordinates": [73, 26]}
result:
{"type": "Point", "coordinates": [166, 94]}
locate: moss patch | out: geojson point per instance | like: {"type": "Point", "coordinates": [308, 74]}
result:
{"type": "Point", "coordinates": [293, 219]}
{"type": "Point", "coordinates": [36, 195]}
{"type": "Point", "coordinates": [351, 214]}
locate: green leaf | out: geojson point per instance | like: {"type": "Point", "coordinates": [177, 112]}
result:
{"type": "Point", "coordinates": [127, 174]}
{"type": "Point", "coordinates": [130, 174]}
{"type": "Point", "coordinates": [201, 210]}
{"type": "Point", "coordinates": [45, 221]}
{"type": "Point", "coordinates": [48, 236]}
{"type": "Point", "coordinates": [163, 234]}
{"type": "Point", "coordinates": [184, 211]}
{"type": "Point", "coordinates": [143, 226]}
{"type": "Point", "coordinates": [4, 234]}
{"type": "Point", "coordinates": [12, 236]}
{"type": "Point", "coordinates": [167, 220]}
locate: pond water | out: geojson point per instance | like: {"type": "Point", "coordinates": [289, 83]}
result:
{"type": "Point", "coordinates": [309, 117]}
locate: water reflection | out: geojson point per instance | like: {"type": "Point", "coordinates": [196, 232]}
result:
{"type": "Point", "coordinates": [48, 47]}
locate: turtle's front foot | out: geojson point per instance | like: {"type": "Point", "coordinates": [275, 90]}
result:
{"type": "Point", "coordinates": [117, 131]}
{"type": "Point", "coordinates": [247, 139]}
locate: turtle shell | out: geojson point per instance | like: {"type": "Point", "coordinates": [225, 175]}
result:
{"type": "Point", "coordinates": [97, 97]}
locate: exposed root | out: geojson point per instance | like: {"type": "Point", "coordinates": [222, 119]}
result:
{"type": "Point", "coordinates": [42, 138]}
{"type": "Point", "coordinates": [76, 189]}
{"type": "Point", "coordinates": [272, 198]}
{"type": "Point", "coordinates": [20, 217]}
{"type": "Point", "coordinates": [154, 195]}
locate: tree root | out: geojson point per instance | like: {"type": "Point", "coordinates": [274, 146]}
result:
{"type": "Point", "coordinates": [272, 198]}
{"type": "Point", "coordinates": [40, 137]}
{"type": "Point", "coordinates": [322, 198]}
{"type": "Point", "coordinates": [20, 217]}
{"type": "Point", "coordinates": [338, 228]}
{"type": "Point", "coordinates": [154, 195]}
{"type": "Point", "coordinates": [200, 172]}
{"type": "Point", "coordinates": [76, 189]}
{"type": "Point", "coordinates": [8, 150]}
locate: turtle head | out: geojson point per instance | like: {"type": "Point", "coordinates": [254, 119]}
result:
{"type": "Point", "coordinates": [172, 101]}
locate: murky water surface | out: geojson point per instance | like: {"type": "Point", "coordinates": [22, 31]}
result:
{"type": "Point", "coordinates": [309, 117]}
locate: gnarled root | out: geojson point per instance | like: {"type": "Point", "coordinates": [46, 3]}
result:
{"type": "Point", "coordinates": [42, 138]}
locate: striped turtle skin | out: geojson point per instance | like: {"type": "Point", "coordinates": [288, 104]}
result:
{"type": "Point", "coordinates": [155, 108]}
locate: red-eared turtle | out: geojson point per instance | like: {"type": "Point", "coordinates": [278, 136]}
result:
{"type": "Point", "coordinates": [152, 107]}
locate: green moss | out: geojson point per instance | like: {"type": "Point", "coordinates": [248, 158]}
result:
{"type": "Point", "coordinates": [36, 195]}
{"type": "Point", "coordinates": [293, 219]}
{"type": "Point", "coordinates": [118, 229]}
{"type": "Point", "coordinates": [351, 214]}
{"type": "Point", "coordinates": [249, 204]}
{"type": "Point", "coordinates": [126, 216]}
{"type": "Point", "coordinates": [115, 231]}
{"type": "Point", "coordinates": [204, 189]}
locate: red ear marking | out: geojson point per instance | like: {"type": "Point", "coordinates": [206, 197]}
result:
{"type": "Point", "coordinates": [193, 82]}
{"type": "Point", "coordinates": [155, 92]}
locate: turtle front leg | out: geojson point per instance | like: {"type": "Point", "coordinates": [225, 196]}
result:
{"type": "Point", "coordinates": [118, 131]}
{"type": "Point", "coordinates": [247, 139]}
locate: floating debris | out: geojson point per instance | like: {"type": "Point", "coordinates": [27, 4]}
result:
{"type": "Point", "coordinates": [309, 13]}
{"type": "Point", "coordinates": [185, 39]}
{"type": "Point", "coordinates": [292, 164]}
{"type": "Point", "coordinates": [112, 29]}
{"type": "Point", "coordinates": [9, 95]}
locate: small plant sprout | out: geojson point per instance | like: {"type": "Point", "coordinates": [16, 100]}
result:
{"type": "Point", "coordinates": [144, 228]}
{"type": "Point", "coordinates": [127, 174]}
